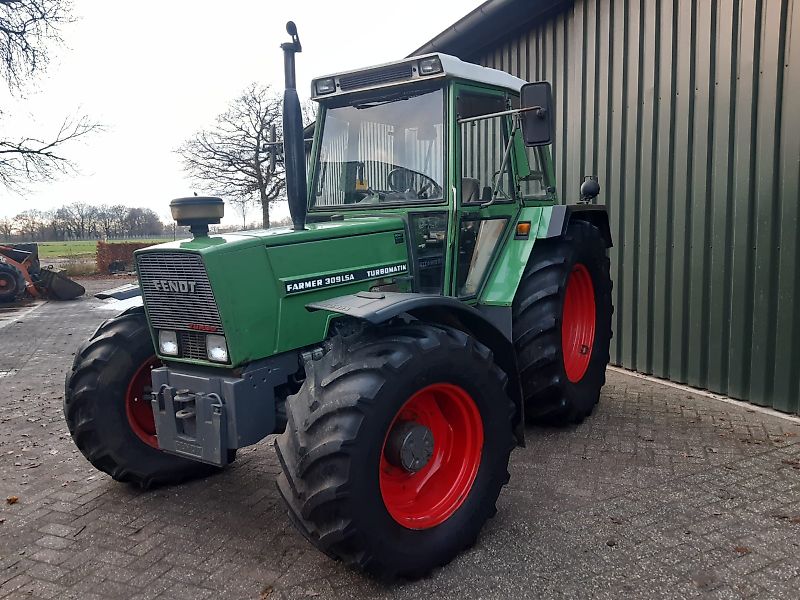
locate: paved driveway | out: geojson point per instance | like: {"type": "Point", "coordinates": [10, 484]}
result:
{"type": "Point", "coordinates": [662, 493]}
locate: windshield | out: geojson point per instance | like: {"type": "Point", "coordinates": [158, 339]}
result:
{"type": "Point", "coordinates": [384, 151]}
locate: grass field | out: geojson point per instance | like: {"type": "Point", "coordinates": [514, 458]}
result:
{"type": "Point", "coordinates": [67, 249]}
{"type": "Point", "coordinates": [77, 249]}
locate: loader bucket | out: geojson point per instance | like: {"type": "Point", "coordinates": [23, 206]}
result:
{"type": "Point", "coordinates": [59, 286]}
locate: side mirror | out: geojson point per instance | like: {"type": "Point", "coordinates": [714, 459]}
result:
{"type": "Point", "coordinates": [537, 124]}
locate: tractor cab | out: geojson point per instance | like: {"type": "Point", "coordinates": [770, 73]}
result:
{"type": "Point", "coordinates": [442, 143]}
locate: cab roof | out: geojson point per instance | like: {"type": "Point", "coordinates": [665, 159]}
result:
{"type": "Point", "coordinates": [407, 70]}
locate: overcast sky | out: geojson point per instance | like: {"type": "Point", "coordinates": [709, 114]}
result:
{"type": "Point", "coordinates": [154, 72]}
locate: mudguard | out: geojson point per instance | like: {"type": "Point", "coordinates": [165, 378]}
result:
{"type": "Point", "coordinates": [546, 222]}
{"type": "Point", "coordinates": [379, 307]}
{"type": "Point", "coordinates": [562, 214]}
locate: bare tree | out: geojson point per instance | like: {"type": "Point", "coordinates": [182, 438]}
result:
{"type": "Point", "coordinates": [80, 219]}
{"type": "Point", "coordinates": [242, 206]}
{"type": "Point", "coordinates": [52, 226]}
{"type": "Point", "coordinates": [28, 29]}
{"type": "Point", "coordinates": [6, 228]}
{"type": "Point", "coordinates": [309, 110]}
{"type": "Point", "coordinates": [110, 220]}
{"type": "Point", "coordinates": [231, 158]}
{"type": "Point", "coordinates": [105, 218]}
{"type": "Point", "coordinates": [31, 159]}
{"type": "Point", "coordinates": [142, 222]}
{"type": "Point", "coordinates": [29, 223]}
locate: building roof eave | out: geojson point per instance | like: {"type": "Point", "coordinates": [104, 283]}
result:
{"type": "Point", "coordinates": [486, 24]}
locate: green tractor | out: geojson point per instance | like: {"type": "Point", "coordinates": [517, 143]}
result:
{"type": "Point", "coordinates": [431, 297]}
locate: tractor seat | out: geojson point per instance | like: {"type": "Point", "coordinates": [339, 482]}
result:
{"type": "Point", "coordinates": [470, 189]}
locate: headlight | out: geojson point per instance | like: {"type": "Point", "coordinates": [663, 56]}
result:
{"type": "Point", "coordinates": [325, 86]}
{"type": "Point", "coordinates": [429, 66]}
{"type": "Point", "coordinates": [217, 348]}
{"type": "Point", "coordinates": [168, 343]}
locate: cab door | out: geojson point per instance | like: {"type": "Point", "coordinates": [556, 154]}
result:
{"type": "Point", "coordinates": [485, 195]}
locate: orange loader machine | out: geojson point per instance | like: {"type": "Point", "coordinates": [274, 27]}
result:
{"type": "Point", "coordinates": [21, 275]}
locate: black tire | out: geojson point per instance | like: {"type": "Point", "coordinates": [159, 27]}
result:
{"type": "Point", "coordinates": [12, 284]}
{"type": "Point", "coordinates": [550, 396]}
{"type": "Point", "coordinates": [94, 407]}
{"type": "Point", "coordinates": [331, 449]}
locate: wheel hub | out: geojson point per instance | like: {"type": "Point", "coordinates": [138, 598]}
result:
{"type": "Point", "coordinates": [410, 446]}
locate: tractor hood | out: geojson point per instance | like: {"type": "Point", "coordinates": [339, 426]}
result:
{"type": "Point", "coordinates": [253, 287]}
{"type": "Point", "coordinates": [280, 236]}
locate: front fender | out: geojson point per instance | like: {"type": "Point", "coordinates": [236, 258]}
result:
{"type": "Point", "coordinates": [380, 307]}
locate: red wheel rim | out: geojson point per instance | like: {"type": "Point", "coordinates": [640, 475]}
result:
{"type": "Point", "coordinates": [137, 403]}
{"type": "Point", "coordinates": [578, 322]}
{"type": "Point", "coordinates": [430, 496]}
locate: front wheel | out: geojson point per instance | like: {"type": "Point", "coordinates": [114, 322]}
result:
{"type": "Point", "coordinates": [107, 406]}
{"type": "Point", "coordinates": [396, 448]}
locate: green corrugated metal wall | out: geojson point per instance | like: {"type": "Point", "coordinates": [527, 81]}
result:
{"type": "Point", "coordinates": [689, 111]}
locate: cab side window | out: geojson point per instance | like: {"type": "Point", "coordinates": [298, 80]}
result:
{"type": "Point", "coordinates": [483, 143]}
{"type": "Point", "coordinates": [477, 240]}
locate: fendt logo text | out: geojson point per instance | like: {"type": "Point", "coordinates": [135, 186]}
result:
{"type": "Point", "coordinates": [165, 285]}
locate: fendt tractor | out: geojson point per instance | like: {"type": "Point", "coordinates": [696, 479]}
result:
{"type": "Point", "coordinates": [431, 296]}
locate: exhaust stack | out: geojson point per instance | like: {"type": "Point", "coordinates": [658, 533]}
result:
{"type": "Point", "coordinates": [293, 148]}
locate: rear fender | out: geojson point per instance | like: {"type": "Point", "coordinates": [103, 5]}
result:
{"type": "Point", "coordinates": [377, 308]}
{"type": "Point", "coordinates": [546, 222]}
{"type": "Point", "coordinates": [563, 214]}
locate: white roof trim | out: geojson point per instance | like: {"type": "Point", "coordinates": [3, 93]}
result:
{"type": "Point", "coordinates": [453, 67]}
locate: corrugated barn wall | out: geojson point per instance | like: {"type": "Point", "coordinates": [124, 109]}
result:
{"type": "Point", "coordinates": [689, 113]}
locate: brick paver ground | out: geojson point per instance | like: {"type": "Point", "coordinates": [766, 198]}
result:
{"type": "Point", "coordinates": [661, 493]}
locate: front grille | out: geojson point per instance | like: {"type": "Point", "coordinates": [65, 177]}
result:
{"type": "Point", "coordinates": [178, 297]}
{"type": "Point", "coordinates": [192, 344]}
{"type": "Point", "coordinates": [375, 76]}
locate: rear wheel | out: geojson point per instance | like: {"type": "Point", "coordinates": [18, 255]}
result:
{"type": "Point", "coordinates": [11, 283]}
{"type": "Point", "coordinates": [562, 325]}
{"type": "Point", "coordinates": [107, 406]}
{"type": "Point", "coordinates": [396, 448]}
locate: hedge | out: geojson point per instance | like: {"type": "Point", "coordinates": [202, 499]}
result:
{"type": "Point", "coordinates": [117, 256]}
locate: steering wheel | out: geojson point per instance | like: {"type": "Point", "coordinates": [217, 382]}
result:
{"type": "Point", "coordinates": [401, 179]}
